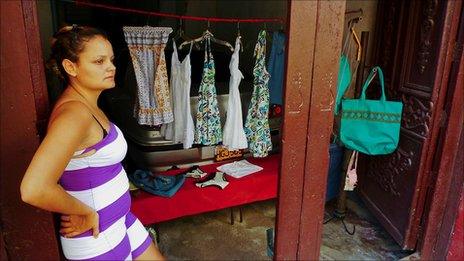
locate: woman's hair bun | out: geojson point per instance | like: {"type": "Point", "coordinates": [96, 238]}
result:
{"type": "Point", "coordinates": [67, 43]}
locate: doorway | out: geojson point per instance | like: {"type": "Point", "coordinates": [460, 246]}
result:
{"type": "Point", "coordinates": [141, 156]}
{"type": "Point", "coordinates": [149, 150]}
{"type": "Point", "coordinates": [409, 44]}
{"type": "Point", "coordinates": [299, 81]}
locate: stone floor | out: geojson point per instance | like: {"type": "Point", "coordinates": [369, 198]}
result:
{"type": "Point", "coordinates": [210, 236]}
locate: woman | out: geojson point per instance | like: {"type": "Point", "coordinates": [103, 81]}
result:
{"type": "Point", "coordinates": [76, 170]}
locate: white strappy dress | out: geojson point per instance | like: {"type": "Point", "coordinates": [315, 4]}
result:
{"type": "Point", "coordinates": [182, 129]}
{"type": "Point", "coordinates": [234, 135]}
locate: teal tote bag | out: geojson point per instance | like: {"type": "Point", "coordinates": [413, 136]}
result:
{"type": "Point", "coordinates": [371, 126]}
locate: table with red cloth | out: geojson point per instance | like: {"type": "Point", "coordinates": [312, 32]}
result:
{"type": "Point", "coordinates": [192, 200]}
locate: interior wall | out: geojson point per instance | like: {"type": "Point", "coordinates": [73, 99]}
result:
{"type": "Point", "coordinates": [46, 29]}
{"type": "Point", "coordinates": [368, 19]}
{"type": "Point", "coordinates": [46, 25]}
{"type": "Point", "coordinates": [366, 24]}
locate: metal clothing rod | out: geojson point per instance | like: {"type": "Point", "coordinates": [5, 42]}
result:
{"type": "Point", "coordinates": [170, 15]}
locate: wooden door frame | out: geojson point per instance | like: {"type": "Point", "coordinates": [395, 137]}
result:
{"type": "Point", "coordinates": [315, 30]}
{"type": "Point", "coordinates": [27, 232]}
{"type": "Point", "coordinates": [447, 187]}
{"type": "Point", "coordinates": [313, 51]}
{"type": "Point", "coordinates": [437, 179]}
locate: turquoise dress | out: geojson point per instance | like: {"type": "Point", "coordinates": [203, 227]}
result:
{"type": "Point", "coordinates": [208, 126]}
{"type": "Point", "coordinates": [257, 122]}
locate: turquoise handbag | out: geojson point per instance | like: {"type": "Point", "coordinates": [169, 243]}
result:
{"type": "Point", "coordinates": [371, 126]}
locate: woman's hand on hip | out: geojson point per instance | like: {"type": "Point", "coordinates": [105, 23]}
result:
{"type": "Point", "coordinates": [73, 225]}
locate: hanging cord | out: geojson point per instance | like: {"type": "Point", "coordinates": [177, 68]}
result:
{"type": "Point", "coordinates": [170, 15]}
{"type": "Point", "coordinates": [344, 224]}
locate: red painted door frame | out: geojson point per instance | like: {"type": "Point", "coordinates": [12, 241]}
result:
{"type": "Point", "coordinates": [449, 154]}
{"type": "Point", "coordinates": [314, 44]}
{"type": "Point", "coordinates": [28, 233]}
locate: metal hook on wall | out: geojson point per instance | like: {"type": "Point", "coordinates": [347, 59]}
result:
{"type": "Point", "coordinates": [374, 73]}
{"type": "Point", "coordinates": [360, 10]}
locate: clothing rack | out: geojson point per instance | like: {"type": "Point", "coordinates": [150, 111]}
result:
{"type": "Point", "coordinates": [171, 15]}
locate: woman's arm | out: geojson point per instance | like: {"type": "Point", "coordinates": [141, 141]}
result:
{"type": "Point", "coordinates": [39, 186]}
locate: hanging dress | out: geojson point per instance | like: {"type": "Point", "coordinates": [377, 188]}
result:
{"type": "Point", "coordinates": [146, 47]}
{"type": "Point", "coordinates": [208, 127]}
{"type": "Point", "coordinates": [276, 67]}
{"type": "Point", "coordinates": [234, 135]}
{"type": "Point", "coordinates": [181, 130]}
{"type": "Point", "coordinates": [257, 123]}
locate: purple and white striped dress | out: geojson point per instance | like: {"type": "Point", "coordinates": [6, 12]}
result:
{"type": "Point", "coordinates": [99, 181]}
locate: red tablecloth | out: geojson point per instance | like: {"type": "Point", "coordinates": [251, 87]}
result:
{"type": "Point", "coordinates": [191, 200]}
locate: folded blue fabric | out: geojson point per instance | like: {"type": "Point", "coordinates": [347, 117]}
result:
{"type": "Point", "coordinates": [161, 185]}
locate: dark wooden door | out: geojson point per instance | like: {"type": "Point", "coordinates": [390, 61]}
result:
{"type": "Point", "coordinates": [412, 45]}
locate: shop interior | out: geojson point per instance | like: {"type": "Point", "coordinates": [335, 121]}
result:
{"type": "Point", "coordinates": [235, 221]}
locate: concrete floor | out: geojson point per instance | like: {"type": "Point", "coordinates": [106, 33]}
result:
{"type": "Point", "coordinates": [210, 236]}
{"type": "Point", "coordinates": [369, 242]}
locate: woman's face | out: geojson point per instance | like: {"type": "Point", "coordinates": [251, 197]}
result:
{"type": "Point", "coordinates": [95, 68]}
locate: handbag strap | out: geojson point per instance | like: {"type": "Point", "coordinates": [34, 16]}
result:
{"type": "Point", "coordinates": [375, 71]}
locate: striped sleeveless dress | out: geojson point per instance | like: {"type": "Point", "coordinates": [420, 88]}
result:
{"type": "Point", "coordinates": [100, 182]}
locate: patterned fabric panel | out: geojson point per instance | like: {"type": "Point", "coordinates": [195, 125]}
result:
{"type": "Point", "coordinates": [372, 116]}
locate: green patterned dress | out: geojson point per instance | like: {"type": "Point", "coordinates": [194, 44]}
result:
{"type": "Point", "coordinates": [257, 123]}
{"type": "Point", "coordinates": [208, 126]}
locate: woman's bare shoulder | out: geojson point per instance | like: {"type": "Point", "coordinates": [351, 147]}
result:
{"type": "Point", "coordinates": [70, 114]}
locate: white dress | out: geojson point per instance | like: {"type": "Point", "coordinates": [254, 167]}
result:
{"type": "Point", "coordinates": [234, 135]}
{"type": "Point", "coordinates": [182, 129]}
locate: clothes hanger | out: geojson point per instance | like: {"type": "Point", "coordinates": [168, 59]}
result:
{"type": "Point", "coordinates": [351, 24]}
{"type": "Point", "coordinates": [358, 43]}
{"type": "Point", "coordinates": [238, 30]}
{"type": "Point", "coordinates": [148, 19]}
{"type": "Point", "coordinates": [146, 22]}
{"type": "Point", "coordinates": [281, 28]}
{"type": "Point", "coordinates": [180, 34]}
{"type": "Point", "coordinates": [239, 36]}
{"type": "Point", "coordinates": [268, 35]}
{"type": "Point", "coordinates": [207, 35]}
